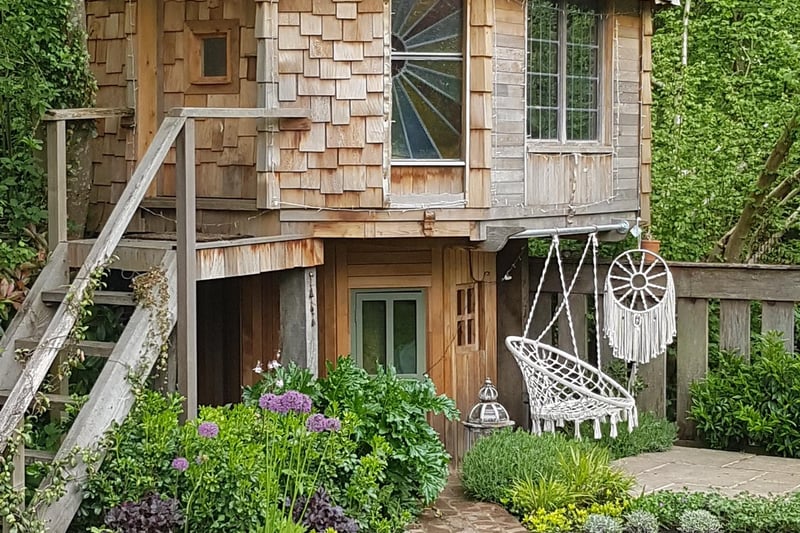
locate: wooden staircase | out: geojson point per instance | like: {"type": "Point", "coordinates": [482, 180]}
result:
{"type": "Point", "coordinates": [111, 398]}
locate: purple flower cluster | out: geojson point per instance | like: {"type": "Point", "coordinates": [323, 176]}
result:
{"type": "Point", "coordinates": [208, 430]}
{"type": "Point", "coordinates": [318, 423]}
{"type": "Point", "coordinates": [180, 464]}
{"type": "Point", "coordinates": [292, 400]}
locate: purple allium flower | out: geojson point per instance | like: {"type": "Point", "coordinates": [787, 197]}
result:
{"type": "Point", "coordinates": [266, 400]}
{"type": "Point", "coordinates": [208, 430]}
{"type": "Point", "coordinates": [180, 464]}
{"type": "Point", "coordinates": [316, 423]}
{"type": "Point", "coordinates": [297, 402]}
{"type": "Point", "coordinates": [332, 424]}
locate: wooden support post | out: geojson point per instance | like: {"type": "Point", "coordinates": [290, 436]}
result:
{"type": "Point", "coordinates": [56, 183]}
{"type": "Point", "coordinates": [298, 308]}
{"type": "Point", "coordinates": [734, 326]}
{"type": "Point", "coordinates": [692, 357]}
{"type": "Point", "coordinates": [779, 316]}
{"type": "Point", "coordinates": [513, 300]}
{"type": "Point", "coordinates": [653, 398]}
{"type": "Point", "coordinates": [187, 269]}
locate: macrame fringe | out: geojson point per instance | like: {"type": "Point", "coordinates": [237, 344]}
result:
{"type": "Point", "coordinates": [638, 336]}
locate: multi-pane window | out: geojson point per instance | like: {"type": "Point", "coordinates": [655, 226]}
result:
{"type": "Point", "coordinates": [466, 316]}
{"type": "Point", "coordinates": [427, 79]}
{"type": "Point", "coordinates": [563, 70]}
{"type": "Point", "coordinates": [388, 329]}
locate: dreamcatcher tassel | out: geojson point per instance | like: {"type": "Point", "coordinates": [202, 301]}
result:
{"type": "Point", "coordinates": [577, 430]}
{"type": "Point", "coordinates": [548, 426]}
{"type": "Point", "coordinates": [614, 420]}
{"type": "Point", "coordinates": [640, 335]}
{"type": "Point", "coordinates": [633, 419]}
{"type": "Point", "coordinates": [598, 434]}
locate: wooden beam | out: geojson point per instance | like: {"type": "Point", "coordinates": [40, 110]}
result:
{"type": "Point", "coordinates": [692, 357]}
{"type": "Point", "coordinates": [56, 183]}
{"type": "Point", "coordinates": [87, 113]}
{"type": "Point", "coordinates": [734, 326]}
{"type": "Point", "coordinates": [100, 297]}
{"type": "Point", "coordinates": [147, 89]}
{"type": "Point", "coordinates": [779, 316]}
{"type": "Point", "coordinates": [243, 112]}
{"type": "Point", "coordinates": [187, 269]}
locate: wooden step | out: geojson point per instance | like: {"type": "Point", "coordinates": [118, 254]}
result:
{"type": "Point", "coordinates": [55, 399]}
{"type": "Point", "coordinates": [89, 348]}
{"type": "Point", "coordinates": [38, 456]}
{"type": "Point", "coordinates": [55, 296]}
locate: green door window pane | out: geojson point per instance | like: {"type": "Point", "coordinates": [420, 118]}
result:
{"type": "Point", "coordinates": [405, 336]}
{"type": "Point", "coordinates": [373, 335]}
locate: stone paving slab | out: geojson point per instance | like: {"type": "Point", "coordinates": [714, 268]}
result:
{"type": "Point", "coordinates": [697, 469]}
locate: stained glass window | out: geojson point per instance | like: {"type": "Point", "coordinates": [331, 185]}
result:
{"type": "Point", "coordinates": [563, 70]}
{"type": "Point", "coordinates": [427, 79]}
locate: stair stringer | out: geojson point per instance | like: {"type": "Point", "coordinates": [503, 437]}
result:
{"type": "Point", "coordinates": [34, 316]}
{"type": "Point", "coordinates": [111, 398]}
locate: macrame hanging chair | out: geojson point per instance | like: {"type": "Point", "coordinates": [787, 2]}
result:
{"type": "Point", "coordinates": [562, 387]}
{"type": "Point", "coordinates": [639, 306]}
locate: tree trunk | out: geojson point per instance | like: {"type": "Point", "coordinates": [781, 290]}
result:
{"type": "Point", "coordinates": [79, 166]}
{"type": "Point", "coordinates": [731, 248]}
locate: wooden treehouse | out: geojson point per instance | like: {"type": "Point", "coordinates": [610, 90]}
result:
{"type": "Point", "coordinates": [322, 177]}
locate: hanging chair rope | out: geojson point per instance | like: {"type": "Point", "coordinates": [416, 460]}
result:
{"type": "Point", "coordinates": [561, 387]}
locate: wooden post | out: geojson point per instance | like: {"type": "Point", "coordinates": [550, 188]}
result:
{"type": "Point", "coordinates": [692, 356]}
{"type": "Point", "coordinates": [298, 311]}
{"type": "Point", "coordinates": [56, 183]}
{"type": "Point", "coordinates": [734, 326]}
{"type": "Point", "coordinates": [779, 316]}
{"type": "Point", "coordinates": [653, 398]}
{"type": "Point", "coordinates": [187, 269]}
{"type": "Point", "coordinates": [18, 476]}
{"type": "Point", "coordinates": [513, 300]}
{"type": "Point", "coordinates": [147, 87]}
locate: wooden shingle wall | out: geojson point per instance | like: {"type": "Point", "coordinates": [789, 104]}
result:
{"type": "Point", "coordinates": [226, 149]}
{"type": "Point", "coordinates": [568, 179]}
{"type": "Point", "coordinates": [331, 60]}
{"type": "Point", "coordinates": [109, 27]}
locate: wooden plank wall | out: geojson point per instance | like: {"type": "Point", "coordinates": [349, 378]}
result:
{"type": "Point", "coordinates": [226, 149]}
{"type": "Point", "coordinates": [110, 26]}
{"type": "Point", "coordinates": [555, 176]}
{"type": "Point", "coordinates": [437, 268]}
{"type": "Point", "coordinates": [331, 60]}
{"type": "Point", "coordinates": [260, 323]}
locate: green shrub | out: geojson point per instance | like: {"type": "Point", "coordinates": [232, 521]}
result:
{"type": "Point", "coordinates": [641, 522]}
{"type": "Point", "coordinates": [600, 523]}
{"type": "Point", "coordinates": [495, 462]}
{"type": "Point", "coordinates": [653, 434]}
{"type": "Point", "coordinates": [755, 403]}
{"type": "Point", "coordinates": [699, 521]}
{"type": "Point", "coordinates": [398, 462]}
{"type": "Point", "coordinates": [743, 513]}
{"type": "Point", "coordinates": [234, 469]}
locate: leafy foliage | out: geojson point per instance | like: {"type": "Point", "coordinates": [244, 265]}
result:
{"type": "Point", "coordinates": [641, 522]}
{"type": "Point", "coordinates": [743, 513]}
{"type": "Point", "coordinates": [698, 521]}
{"type": "Point", "coordinates": [653, 434]}
{"type": "Point", "coordinates": [739, 404]}
{"type": "Point", "coordinates": [318, 513]}
{"type": "Point", "coordinates": [600, 523]}
{"type": "Point", "coordinates": [716, 119]}
{"type": "Point", "coordinates": [43, 64]}
{"type": "Point", "coordinates": [151, 514]}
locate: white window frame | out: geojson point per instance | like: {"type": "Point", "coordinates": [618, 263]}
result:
{"type": "Point", "coordinates": [601, 138]}
{"type": "Point", "coordinates": [359, 296]}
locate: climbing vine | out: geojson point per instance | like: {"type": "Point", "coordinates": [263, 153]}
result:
{"type": "Point", "coordinates": [151, 291]}
{"type": "Point", "coordinates": [43, 64]}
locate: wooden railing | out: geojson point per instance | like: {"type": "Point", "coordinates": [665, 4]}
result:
{"type": "Point", "coordinates": [777, 288]}
{"type": "Point", "coordinates": [177, 128]}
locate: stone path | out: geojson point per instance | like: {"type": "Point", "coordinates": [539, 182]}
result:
{"type": "Point", "coordinates": [694, 469]}
{"type": "Point", "coordinates": [698, 469]}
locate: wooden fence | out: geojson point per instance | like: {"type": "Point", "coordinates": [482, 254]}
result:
{"type": "Point", "coordinates": [697, 285]}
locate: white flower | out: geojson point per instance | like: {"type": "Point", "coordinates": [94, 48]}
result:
{"type": "Point", "coordinates": [273, 365]}
{"type": "Point", "coordinates": [279, 383]}
{"type": "Point", "coordinates": [258, 369]}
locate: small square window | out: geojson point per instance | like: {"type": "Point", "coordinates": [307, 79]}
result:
{"type": "Point", "coordinates": [213, 56]}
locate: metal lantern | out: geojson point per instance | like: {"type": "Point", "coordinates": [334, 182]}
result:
{"type": "Point", "coordinates": [487, 415]}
